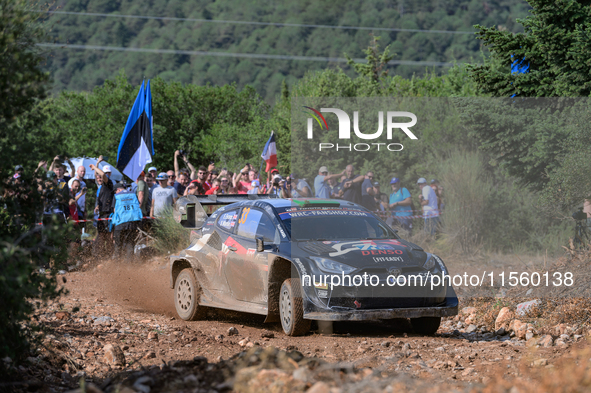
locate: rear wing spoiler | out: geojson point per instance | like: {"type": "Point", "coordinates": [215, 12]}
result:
{"type": "Point", "coordinates": [192, 211]}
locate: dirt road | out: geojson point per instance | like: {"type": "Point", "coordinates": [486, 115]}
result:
{"type": "Point", "coordinates": [131, 309]}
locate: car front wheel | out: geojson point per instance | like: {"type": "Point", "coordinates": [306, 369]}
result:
{"type": "Point", "coordinates": [186, 296]}
{"type": "Point", "coordinates": [425, 325]}
{"type": "Point", "coordinates": [291, 309]}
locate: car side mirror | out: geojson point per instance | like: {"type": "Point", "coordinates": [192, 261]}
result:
{"type": "Point", "coordinates": [260, 244]}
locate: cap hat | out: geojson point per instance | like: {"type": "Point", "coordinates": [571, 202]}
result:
{"type": "Point", "coordinates": [18, 168]}
{"type": "Point", "coordinates": [119, 185]}
{"type": "Point", "coordinates": [434, 181]}
{"type": "Point", "coordinates": [323, 169]}
{"type": "Point", "coordinates": [376, 184]}
{"type": "Point", "coordinates": [152, 168]}
{"type": "Point", "coordinates": [50, 174]}
{"type": "Point", "coordinates": [107, 168]}
{"type": "Point", "coordinates": [394, 180]}
{"type": "Point", "coordinates": [422, 180]}
{"type": "Point", "coordinates": [162, 176]}
{"type": "Point", "coordinates": [274, 170]}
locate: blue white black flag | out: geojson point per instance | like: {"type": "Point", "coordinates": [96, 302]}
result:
{"type": "Point", "coordinates": [136, 148]}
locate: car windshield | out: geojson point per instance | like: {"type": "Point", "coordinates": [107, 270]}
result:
{"type": "Point", "coordinates": [334, 224]}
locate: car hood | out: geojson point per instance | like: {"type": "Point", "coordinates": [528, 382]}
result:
{"type": "Point", "coordinates": [364, 253]}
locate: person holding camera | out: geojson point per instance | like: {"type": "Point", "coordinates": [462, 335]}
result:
{"type": "Point", "coordinates": [278, 187]}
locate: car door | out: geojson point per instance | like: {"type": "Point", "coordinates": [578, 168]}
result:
{"type": "Point", "coordinates": [247, 270]}
{"type": "Point", "coordinates": [218, 250]}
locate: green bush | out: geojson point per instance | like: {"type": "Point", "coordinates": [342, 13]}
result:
{"type": "Point", "coordinates": [170, 235]}
{"type": "Point", "coordinates": [486, 210]}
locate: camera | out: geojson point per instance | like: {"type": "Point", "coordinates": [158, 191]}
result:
{"type": "Point", "coordinates": [183, 153]}
{"type": "Point", "coordinates": [579, 215]}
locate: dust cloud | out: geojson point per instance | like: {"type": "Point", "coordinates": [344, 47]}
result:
{"type": "Point", "coordinates": [144, 286]}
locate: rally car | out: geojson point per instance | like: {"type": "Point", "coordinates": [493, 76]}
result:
{"type": "Point", "coordinates": [282, 258]}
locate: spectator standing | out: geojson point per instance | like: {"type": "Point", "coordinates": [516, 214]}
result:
{"type": "Point", "coordinates": [322, 187]}
{"type": "Point", "coordinates": [126, 216]}
{"type": "Point", "coordinates": [428, 200]}
{"type": "Point", "coordinates": [381, 199]}
{"type": "Point", "coordinates": [438, 188]}
{"type": "Point", "coordinates": [352, 185]}
{"type": "Point", "coordinates": [142, 193]}
{"type": "Point", "coordinates": [178, 171]}
{"type": "Point", "coordinates": [163, 197]}
{"type": "Point", "coordinates": [81, 199]}
{"type": "Point", "coordinates": [60, 169]}
{"type": "Point", "coordinates": [400, 205]}
{"type": "Point", "coordinates": [103, 243]}
{"type": "Point", "coordinates": [241, 180]}
{"type": "Point", "coordinates": [76, 193]}
{"type": "Point", "coordinates": [215, 188]}
{"type": "Point", "coordinates": [299, 187]}
{"type": "Point", "coordinates": [336, 190]}
{"type": "Point", "coordinates": [171, 178]}
{"type": "Point", "coordinates": [153, 171]}
{"type": "Point", "coordinates": [201, 176]}
{"type": "Point", "coordinates": [255, 187]}
{"type": "Point", "coordinates": [55, 198]}
{"type": "Point", "coordinates": [278, 187]}
{"type": "Point", "coordinates": [367, 192]}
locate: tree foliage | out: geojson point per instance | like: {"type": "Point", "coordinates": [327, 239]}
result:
{"type": "Point", "coordinates": [75, 69]}
{"type": "Point", "coordinates": [539, 141]}
{"type": "Point", "coordinates": [22, 80]}
{"type": "Point", "coordinates": [24, 246]}
{"type": "Point", "coordinates": [555, 45]}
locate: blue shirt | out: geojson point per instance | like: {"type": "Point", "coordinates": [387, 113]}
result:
{"type": "Point", "coordinates": [321, 188]}
{"type": "Point", "coordinates": [399, 196]}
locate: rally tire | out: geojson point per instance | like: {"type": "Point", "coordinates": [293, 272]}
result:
{"type": "Point", "coordinates": [425, 325]}
{"type": "Point", "coordinates": [291, 309]}
{"type": "Point", "coordinates": [186, 296]}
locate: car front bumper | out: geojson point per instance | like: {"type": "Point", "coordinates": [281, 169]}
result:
{"type": "Point", "coordinates": [448, 308]}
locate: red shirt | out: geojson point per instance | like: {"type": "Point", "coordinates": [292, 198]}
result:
{"type": "Point", "coordinates": [206, 186]}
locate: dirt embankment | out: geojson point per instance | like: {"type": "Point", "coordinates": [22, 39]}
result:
{"type": "Point", "coordinates": [116, 329]}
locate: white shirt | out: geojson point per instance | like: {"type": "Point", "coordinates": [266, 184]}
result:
{"type": "Point", "coordinates": [430, 209]}
{"type": "Point", "coordinates": [82, 200]}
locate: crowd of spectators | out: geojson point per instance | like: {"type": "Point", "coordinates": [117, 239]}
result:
{"type": "Point", "coordinates": [64, 188]}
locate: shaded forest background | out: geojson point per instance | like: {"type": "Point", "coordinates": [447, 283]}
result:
{"type": "Point", "coordinates": [78, 69]}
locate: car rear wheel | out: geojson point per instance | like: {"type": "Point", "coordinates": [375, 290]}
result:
{"type": "Point", "coordinates": [291, 309]}
{"type": "Point", "coordinates": [186, 296]}
{"type": "Point", "coordinates": [425, 325]}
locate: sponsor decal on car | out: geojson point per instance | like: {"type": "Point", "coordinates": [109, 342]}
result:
{"type": "Point", "coordinates": [301, 266]}
{"type": "Point", "coordinates": [368, 247]}
{"type": "Point", "coordinates": [388, 259]}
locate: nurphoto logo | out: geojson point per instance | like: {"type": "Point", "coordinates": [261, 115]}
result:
{"type": "Point", "coordinates": [345, 129]}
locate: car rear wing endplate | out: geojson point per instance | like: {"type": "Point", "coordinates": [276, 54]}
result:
{"type": "Point", "coordinates": [191, 211]}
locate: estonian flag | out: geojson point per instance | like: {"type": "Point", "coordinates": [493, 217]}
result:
{"type": "Point", "coordinates": [270, 153]}
{"type": "Point", "coordinates": [137, 146]}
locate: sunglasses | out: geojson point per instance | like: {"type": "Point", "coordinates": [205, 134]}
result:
{"type": "Point", "coordinates": [201, 173]}
{"type": "Point", "coordinates": [171, 176]}
{"type": "Point", "coordinates": [224, 181]}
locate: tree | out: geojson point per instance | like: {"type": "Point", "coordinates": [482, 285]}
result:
{"type": "Point", "coordinates": [23, 245]}
{"type": "Point", "coordinates": [538, 140]}
{"type": "Point", "coordinates": [22, 80]}
{"type": "Point", "coordinates": [555, 44]}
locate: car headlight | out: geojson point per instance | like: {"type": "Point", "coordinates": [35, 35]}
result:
{"type": "Point", "coordinates": [429, 263]}
{"type": "Point", "coordinates": [439, 262]}
{"type": "Point", "coordinates": [330, 266]}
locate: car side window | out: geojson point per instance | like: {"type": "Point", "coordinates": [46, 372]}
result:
{"type": "Point", "coordinates": [267, 231]}
{"type": "Point", "coordinates": [228, 220]}
{"type": "Point", "coordinates": [248, 222]}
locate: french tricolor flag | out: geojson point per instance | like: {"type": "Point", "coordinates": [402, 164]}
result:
{"type": "Point", "coordinates": [270, 153]}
